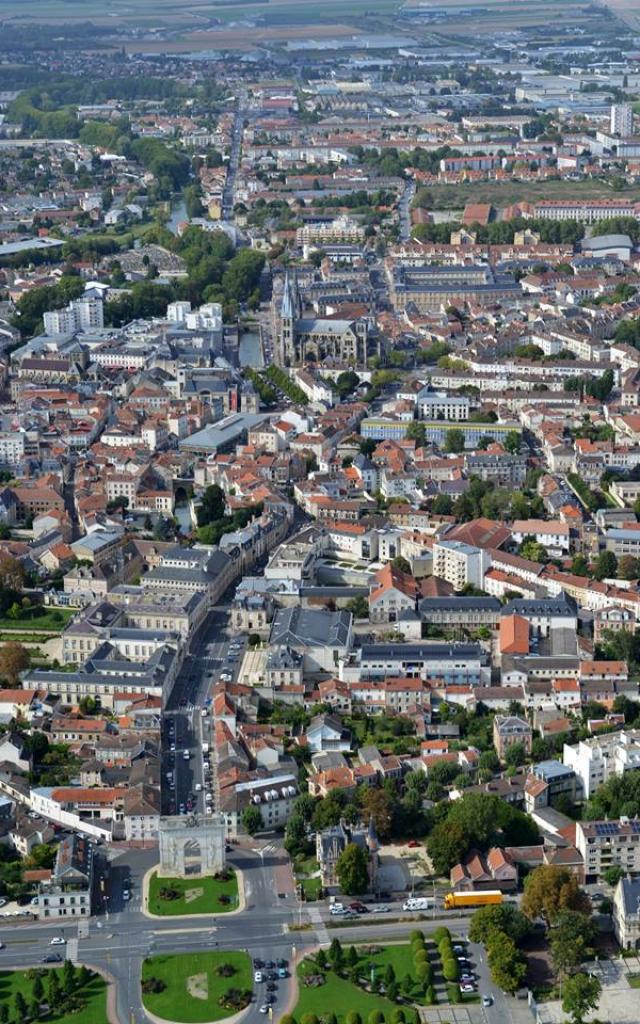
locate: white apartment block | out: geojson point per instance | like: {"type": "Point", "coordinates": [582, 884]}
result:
{"type": "Point", "coordinates": [599, 758]}
{"type": "Point", "coordinates": [11, 447]}
{"type": "Point", "coordinates": [459, 563]}
{"type": "Point", "coordinates": [83, 314]}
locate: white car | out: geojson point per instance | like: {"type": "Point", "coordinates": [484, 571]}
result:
{"type": "Point", "coordinates": [382, 909]}
{"type": "Point", "coordinates": [257, 977]}
{"type": "Point", "coordinates": [467, 988]}
{"type": "Point", "coordinates": [264, 1008]}
{"type": "Point", "coordinates": [336, 908]}
{"type": "Point", "coordinates": [487, 1000]}
{"type": "Point", "coordinates": [58, 940]}
{"type": "Point", "coordinates": [126, 895]}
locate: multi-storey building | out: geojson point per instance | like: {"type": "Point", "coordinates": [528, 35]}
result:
{"type": "Point", "coordinates": [606, 844]}
{"type": "Point", "coordinates": [459, 563]}
{"type": "Point", "coordinates": [599, 758]}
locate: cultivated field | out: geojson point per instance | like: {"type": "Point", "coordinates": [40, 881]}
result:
{"type": "Point", "coordinates": [190, 15]}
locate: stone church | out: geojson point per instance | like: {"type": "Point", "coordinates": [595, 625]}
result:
{"type": "Point", "coordinates": [301, 339]}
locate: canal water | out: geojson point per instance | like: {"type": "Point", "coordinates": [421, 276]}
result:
{"type": "Point", "coordinates": [250, 350]}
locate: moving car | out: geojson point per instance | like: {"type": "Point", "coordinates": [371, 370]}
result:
{"type": "Point", "coordinates": [487, 1000]}
{"type": "Point", "coordinates": [52, 958]}
{"type": "Point", "coordinates": [58, 940]}
{"type": "Point", "coordinates": [126, 895]}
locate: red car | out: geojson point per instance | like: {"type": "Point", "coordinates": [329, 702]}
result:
{"type": "Point", "coordinates": [412, 844]}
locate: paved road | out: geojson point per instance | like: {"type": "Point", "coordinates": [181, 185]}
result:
{"type": "Point", "coordinates": [119, 940]}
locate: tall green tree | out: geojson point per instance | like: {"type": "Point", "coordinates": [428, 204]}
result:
{"type": "Point", "coordinates": [454, 441]}
{"type": "Point", "coordinates": [506, 962]}
{"type": "Point", "coordinates": [352, 870]}
{"type": "Point", "coordinates": [551, 889]}
{"type": "Point", "coordinates": [570, 940]}
{"type": "Point", "coordinates": [503, 918]}
{"type": "Point", "coordinates": [581, 995]}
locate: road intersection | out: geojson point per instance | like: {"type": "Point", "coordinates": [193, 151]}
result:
{"type": "Point", "coordinates": [266, 927]}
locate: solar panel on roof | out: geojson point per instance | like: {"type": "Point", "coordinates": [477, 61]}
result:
{"type": "Point", "coordinates": [606, 828]}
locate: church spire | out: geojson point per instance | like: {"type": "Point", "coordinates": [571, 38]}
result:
{"type": "Point", "coordinates": [287, 309]}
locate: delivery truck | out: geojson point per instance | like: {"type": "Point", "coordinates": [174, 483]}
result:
{"type": "Point", "coordinates": [463, 900]}
{"type": "Point", "coordinates": [418, 903]}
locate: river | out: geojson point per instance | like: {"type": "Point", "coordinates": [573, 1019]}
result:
{"type": "Point", "coordinates": [178, 214]}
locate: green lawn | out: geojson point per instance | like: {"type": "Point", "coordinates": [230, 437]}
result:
{"type": "Point", "coordinates": [193, 985]}
{"type": "Point", "coordinates": [51, 620]}
{"type": "Point", "coordinates": [338, 995]}
{"type": "Point", "coordinates": [311, 887]}
{"type": "Point", "coordinates": [199, 896]}
{"type": "Point", "coordinates": [92, 1001]}
{"type": "Point", "coordinates": [345, 996]}
{"type": "Point", "coordinates": [634, 980]}
{"type": "Point", "coordinates": [305, 865]}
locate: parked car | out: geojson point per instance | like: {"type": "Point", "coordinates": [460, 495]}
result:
{"type": "Point", "coordinates": [258, 977]}
{"type": "Point", "coordinates": [467, 988]}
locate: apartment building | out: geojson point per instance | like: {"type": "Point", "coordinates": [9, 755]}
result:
{"type": "Point", "coordinates": [273, 795]}
{"type": "Point", "coordinates": [68, 892]}
{"type": "Point", "coordinates": [606, 844]}
{"type": "Point", "coordinates": [450, 663]}
{"type": "Point", "coordinates": [597, 759]}
{"type": "Point", "coordinates": [84, 314]}
{"type": "Point", "coordinates": [459, 563]}
{"type": "Point", "coordinates": [12, 447]}
{"type": "Point", "coordinates": [624, 540]}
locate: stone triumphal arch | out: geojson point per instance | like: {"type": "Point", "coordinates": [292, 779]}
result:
{"type": "Point", "coordinates": [180, 835]}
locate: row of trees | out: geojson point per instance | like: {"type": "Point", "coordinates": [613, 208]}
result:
{"type": "Point", "coordinates": [551, 894]}
{"type": "Point", "coordinates": [50, 992]}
